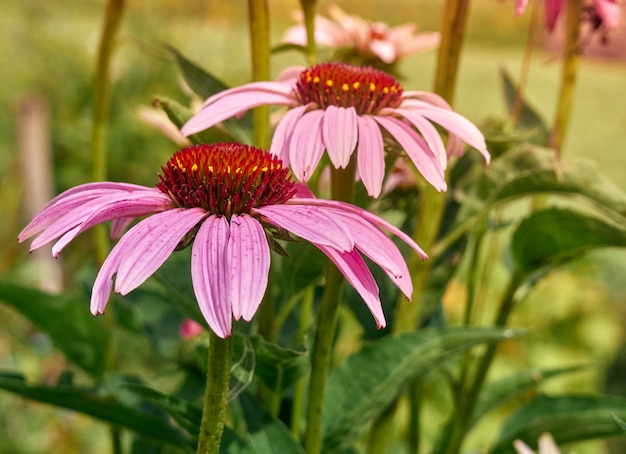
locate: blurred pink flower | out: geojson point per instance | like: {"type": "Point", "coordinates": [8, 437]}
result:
{"type": "Point", "coordinates": [343, 108]}
{"type": "Point", "coordinates": [367, 38]}
{"type": "Point", "coordinates": [189, 329]}
{"type": "Point", "coordinates": [546, 446]}
{"type": "Point", "coordinates": [604, 12]}
{"type": "Point", "coordinates": [226, 199]}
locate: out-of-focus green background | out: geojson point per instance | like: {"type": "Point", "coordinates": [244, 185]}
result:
{"type": "Point", "coordinates": [47, 50]}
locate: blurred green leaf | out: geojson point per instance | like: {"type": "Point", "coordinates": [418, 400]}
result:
{"type": "Point", "coordinates": [66, 319]}
{"type": "Point", "coordinates": [99, 404]}
{"type": "Point", "coordinates": [529, 119]}
{"type": "Point", "coordinates": [497, 393]}
{"type": "Point", "coordinates": [277, 367]}
{"type": "Point", "coordinates": [179, 115]}
{"type": "Point", "coordinates": [550, 237]}
{"type": "Point", "coordinates": [361, 388]}
{"type": "Point", "coordinates": [567, 418]}
{"type": "Point", "coordinates": [267, 434]}
{"type": "Point", "coordinates": [205, 85]}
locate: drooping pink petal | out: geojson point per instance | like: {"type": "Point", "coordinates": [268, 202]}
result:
{"type": "Point", "coordinates": [306, 147]}
{"type": "Point", "coordinates": [430, 134]}
{"type": "Point", "coordinates": [552, 11]}
{"type": "Point", "coordinates": [290, 73]}
{"type": "Point", "coordinates": [417, 150]}
{"type": "Point", "coordinates": [118, 227]}
{"type": "Point", "coordinates": [370, 155]}
{"type": "Point", "coordinates": [352, 266]}
{"type": "Point", "coordinates": [237, 100]}
{"type": "Point", "coordinates": [340, 133]}
{"type": "Point", "coordinates": [377, 221]}
{"type": "Point", "coordinates": [520, 7]}
{"type": "Point", "coordinates": [384, 50]}
{"type": "Point", "coordinates": [309, 223]}
{"type": "Point", "coordinates": [249, 258]}
{"type": "Point", "coordinates": [379, 248]}
{"type": "Point", "coordinates": [284, 133]}
{"type": "Point", "coordinates": [418, 43]}
{"type": "Point", "coordinates": [210, 265]}
{"type": "Point", "coordinates": [154, 240]}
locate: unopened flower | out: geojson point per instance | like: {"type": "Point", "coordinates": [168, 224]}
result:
{"type": "Point", "coordinates": [601, 13]}
{"type": "Point", "coordinates": [343, 108]}
{"type": "Point", "coordinates": [226, 200]}
{"type": "Point", "coordinates": [546, 446]}
{"type": "Point", "coordinates": [189, 329]}
{"type": "Point", "coordinates": [363, 38]}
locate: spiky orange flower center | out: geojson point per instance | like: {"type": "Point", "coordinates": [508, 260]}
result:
{"type": "Point", "coordinates": [366, 89]}
{"type": "Point", "coordinates": [225, 178]}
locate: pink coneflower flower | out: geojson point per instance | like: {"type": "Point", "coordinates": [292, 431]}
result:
{"type": "Point", "coordinates": [226, 199]}
{"type": "Point", "coordinates": [343, 108]}
{"type": "Point", "coordinates": [602, 13]}
{"type": "Point", "coordinates": [364, 38]}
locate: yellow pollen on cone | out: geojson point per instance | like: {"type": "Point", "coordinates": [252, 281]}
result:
{"type": "Point", "coordinates": [345, 87]}
{"type": "Point", "coordinates": [372, 87]}
{"type": "Point", "coordinates": [329, 83]}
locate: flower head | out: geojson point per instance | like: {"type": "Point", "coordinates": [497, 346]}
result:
{"type": "Point", "coordinates": [600, 13]}
{"type": "Point", "coordinates": [344, 108]}
{"type": "Point", "coordinates": [364, 39]}
{"type": "Point", "coordinates": [225, 200]}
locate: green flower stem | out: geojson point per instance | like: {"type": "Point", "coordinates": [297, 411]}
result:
{"type": "Point", "coordinates": [215, 394]}
{"type": "Point", "coordinates": [342, 189]}
{"type": "Point", "coordinates": [297, 409]}
{"type": "Point", "coordinates": [308, 10]}
{"type": "Point", "coordinates": [258, 12]}
{"type": "Point", "coordinates": [531, 39]}
{"type": "Point", "coordinates": [466, 401]}
{"type": "Point", "coordinates": [454, 19]}
{"type": "Point", "coordinates": [568, 74]}
{"type": "Point", "coordinates": [100, 115]}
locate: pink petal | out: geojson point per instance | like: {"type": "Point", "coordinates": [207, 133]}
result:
{"type": "Point", "coordinates": [154, 240]}
{"type": "Point", "coordinates": [210, 274]}
{"type": "Point", "coordinates": [610, 13]}
{"type": "Point", "coordinates": [119, 226]}
{"type": "Point", "coordinates": [340, 133]}
{"type": "Point", "coordinates": [419, 43]}
{"type": "Point", "coordinates": [430, 134]}
{"type": "Point", "coordinates": [359, 276]}
{"type": "Point", "coordinates": [379, 248]}
{"type": "Point", "coordinates": [290, 73]}
{"type": "Point", "coordinates": [237, 100]}
{"type": "Point", "coordinates": [306, 147]}
{"type": "Point", "coordinates": [249, 258]}
{"type": "Point", "coordinates": [552, 11]}
{"type": "Point", "coordinates": [520, 7]}
{"type": "Point", "coordinates": [384, 50]}
{"type": "Point", "coordinates": [284, 133]}
{"type": "Point", "coordinates": [370, 155]}
{"type": "Point", "coordinates": [310, 223]}
{"type": "Point", "coordinates": [417, 150]}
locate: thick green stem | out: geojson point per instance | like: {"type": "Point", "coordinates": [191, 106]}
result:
{"type": "Point", "coordinates": [308, 10]}
{"type": "Point", "coordinates": [260, 44]}
{"type": "Point", "coordinates": [454, 19]}
{"type": "Point", "coordinates": [342, 189]}
{"type": "Point", "coordinates": [568, 74]}
{"type": "Point", "coordinates": [466, 401]}
{"type": "Point", "coordinates": [215, 394]}
{"type": "Point", "coordinates": [297, 409]}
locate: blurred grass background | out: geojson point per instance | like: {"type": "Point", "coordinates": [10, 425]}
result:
{"type": "Point", "coordinates": [48, 50]}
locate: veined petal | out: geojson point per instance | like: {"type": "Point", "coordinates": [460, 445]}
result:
{"type": "Point", "coordinates": [417, 150]}
{"type": "Point", "coordinates": [249, 259]}
{"type": "Point", "coordinates": [306, 147]}
{"type": "Point", "coordinates": [370, 155]}
{"type": "Point", "coordinates": [310, 223]}
{"type": "Point", "coordinates": [340, 133]}
{"type": "Point", "coordinates": [377, 221]}
{"type": "Point", "coordinates": [378, 247]}
{"type": "Point", "coordinates": [239, 100]}
{"type": "Point", "coordinates": [119, 226]}
{"type": "Point", "coordinates": [430, 134]}
{"type": "Point", "coordinates": [154, 240]}
{"type": "Point", "coordinates": [210, 274]}
{"type": "Point", "coordinates": [284, 133]}
{"type": "Point", "coordinates": [352, 266]}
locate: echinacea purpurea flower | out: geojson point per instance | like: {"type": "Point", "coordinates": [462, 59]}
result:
{"type": "Point", "coordinates": [224, 199]}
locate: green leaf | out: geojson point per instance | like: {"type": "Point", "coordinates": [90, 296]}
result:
{"type": "Point", "coordinates": [205, 85]}
{"type": "Point", "coordinates": [99, 404]}
{"type": "Point", "coordinates": [529, 119]}
{"type": "Point", "coordinates": [267, 434]}
{"type": "Point", "coordinates": [567, 418]}
{"type": "Point", "coordinates": [550, 237]}
{"type": "Point", "coordinates": [361, 388]}
{"type": "Point", "coordinates": [503, 390]}
{"type": "Point", "coordinates": [179, 115]}
{"type": "Point", "coordinates": [66, 320]}
{"type": "Point", "coordinates": [277, 367]}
